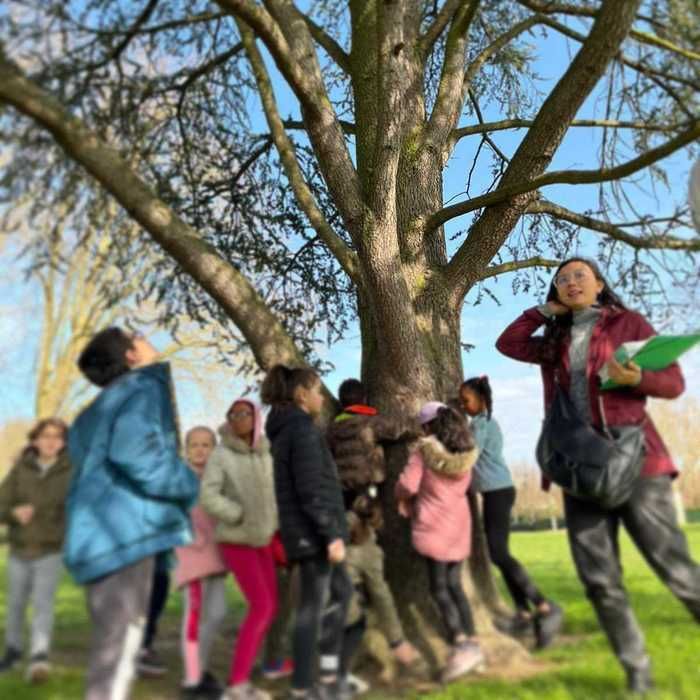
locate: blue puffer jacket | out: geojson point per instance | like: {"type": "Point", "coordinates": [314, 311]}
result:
{"type": "Point", "coordinates": [130, 492]}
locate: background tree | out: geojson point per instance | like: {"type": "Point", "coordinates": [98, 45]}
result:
{"type": "Point", "coordinates": [339, 209]}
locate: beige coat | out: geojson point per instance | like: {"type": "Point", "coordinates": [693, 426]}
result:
{"type": "Point", "coordinates": [238, 490]}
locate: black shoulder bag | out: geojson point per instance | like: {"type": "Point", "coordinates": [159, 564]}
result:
{"type": "Point", "coordinates": [593, 466]}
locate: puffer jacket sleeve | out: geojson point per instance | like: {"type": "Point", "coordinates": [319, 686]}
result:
{"type": "Point", "coordinates": [140, 452]}
{"type": "Point", "coordinates": [517, 341]}
{"type": "Point", "coordinates": [663, 384]}
{"type": "Point", "coordinates": [307, 459]}
{"type": "Point", "coordinates": [409, 482]}
{"type": "Point", "coordinates": [224, 508]}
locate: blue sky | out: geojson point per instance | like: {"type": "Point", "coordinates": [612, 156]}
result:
{"type": "Point", "coordinates": [517, 389]}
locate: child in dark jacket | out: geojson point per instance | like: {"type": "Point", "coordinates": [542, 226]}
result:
{"type": "Point", "coordinates": [357, 437]}
{"type": "Point", "coordinates": [432, 492]}
{"type": "Point", "coordinates": [312, 524]}
{"type": "Point", "coordinates": [32, 500]}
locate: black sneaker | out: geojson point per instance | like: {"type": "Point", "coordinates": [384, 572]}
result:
{"type": "Point", "coordinates": [149, 663]}
{"type": "Point", "coordinates": [39, 669]}
{"type": "Point", "coordinates": [518, 626]}
{"type": "Point", "coordinates": [200, 692]}
{"type": "Point", "coordinates": [210, 683]}
{"type": "Point", "coordinates": [548, 625]}
{"type": "Point", "coordinates": [10, 660]}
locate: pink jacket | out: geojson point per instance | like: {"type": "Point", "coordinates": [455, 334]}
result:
{"type": "Point", "coordinates": [436, 482]}
{"type": "Point", "coordinates": [201, 558]}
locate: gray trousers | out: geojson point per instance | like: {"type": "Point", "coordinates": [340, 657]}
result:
{"type": "Point", "coordinates": [650, 519]}
{"type": "Point", "coordinates": [35, 581]}
{"type": "Point", "coordinates": [204, 612]}
{"type": "Point", "coordinates": [118, 605]}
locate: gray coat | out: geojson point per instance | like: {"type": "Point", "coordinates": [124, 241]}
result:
{"type": "Point", "coordinates": [238, 490]}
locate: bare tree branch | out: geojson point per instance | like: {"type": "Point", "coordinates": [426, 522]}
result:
{"type": "Point", "coordinates": [513, 265]}
{"type": "Point", "coordinates": [450, 96]}
{"type": "Point", "coordinates": [653, 242]}
{"type": "Point", "coordinates": [568, 177]}
{"type": "Point", "coordinates": [329, 44]}
{"type": "Point", "coordinates": [285, 148]}
{"type": "Point", "coordinates": [435, 30]}
{"type": "Point", "coordinates": [553, 8]}
{"type": "Point", "coordinates": [269, 341]}
{"type": "Point", "coordinates": [286, 35]}
{"type": "Point", "coordinates": [537, 148]}
{"type": "Point", "coordinates": [487, 127]}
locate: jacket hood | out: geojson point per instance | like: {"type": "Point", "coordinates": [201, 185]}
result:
{"type": "Point", "coordinates": [235, 443]}
{"type": "Point", "coordinates": [440, 460]}
{"type": "Point", "coordinates": [280, 416]}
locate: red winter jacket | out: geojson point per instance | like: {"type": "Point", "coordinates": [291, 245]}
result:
{"type": "Point", "coordinates": [620, 406]}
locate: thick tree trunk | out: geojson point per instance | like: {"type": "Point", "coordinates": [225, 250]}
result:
{"type": "Point", "coordinates": [438, 352]}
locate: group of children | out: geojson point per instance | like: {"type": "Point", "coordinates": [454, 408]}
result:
{"type": "Point", "coordinates": [274, 498]}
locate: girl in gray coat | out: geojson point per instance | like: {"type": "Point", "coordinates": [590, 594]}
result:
{"type": "Point", "coordinates": [238, 490]}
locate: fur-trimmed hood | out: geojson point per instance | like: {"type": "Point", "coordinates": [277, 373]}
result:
{"type": "Point", "coordinates": [442, 461]}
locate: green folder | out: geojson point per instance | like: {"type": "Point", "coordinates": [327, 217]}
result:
{"type": "Point", "coordinates": [655, 353]}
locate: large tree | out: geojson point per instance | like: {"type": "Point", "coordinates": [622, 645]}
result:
{"type": "Point", "coordinates": [336, 207]}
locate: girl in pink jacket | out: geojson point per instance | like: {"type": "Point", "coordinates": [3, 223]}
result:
{"type": "Point", "coordinates": [201, 573]}
{"type": "Point", "coordinates": [432, 492]}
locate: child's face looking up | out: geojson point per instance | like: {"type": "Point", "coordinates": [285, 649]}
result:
{"type": "Point", "coordinates": [200, 445]}
{"type": "Point", "coordinates": [471, 401]}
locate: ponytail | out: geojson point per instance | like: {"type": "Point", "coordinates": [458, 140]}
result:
{"type": "Point", "coordinates": [482, 388]}
{"type": "Point", "coordinates": [281, 382]}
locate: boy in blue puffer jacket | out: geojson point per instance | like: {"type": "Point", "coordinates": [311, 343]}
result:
{"type": "Point", "coordinates": [128, 499]}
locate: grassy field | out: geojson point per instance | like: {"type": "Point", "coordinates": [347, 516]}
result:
{"type": "Point", "coordinates": [579, 667]}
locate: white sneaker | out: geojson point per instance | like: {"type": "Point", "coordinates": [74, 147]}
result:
{"type": "Point", "coordinates": [245, 691]}
{"type": "Point", "coordinates": [357, 684]}
{"type": "Point", "coordinates": [465, 658]}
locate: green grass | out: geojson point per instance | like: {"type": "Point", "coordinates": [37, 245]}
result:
{"type": "Point", "coordinates": [580, 667]}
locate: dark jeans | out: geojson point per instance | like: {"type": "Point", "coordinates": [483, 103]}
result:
{"type": "Point", "coordinates": [497, 506]}
{"type": "Point", "coordinates": [650, 519]}
{"type": "Point", "coordinates": [156, 605]}
{"type": "Point", "coordinates": [445, 579]}
{"type": "Point", "coordinates": [324, 589]}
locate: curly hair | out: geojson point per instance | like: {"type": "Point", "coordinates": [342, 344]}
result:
{"type": "Point", "coordinates": [452, 430]}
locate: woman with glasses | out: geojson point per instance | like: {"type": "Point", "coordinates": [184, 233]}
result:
{"type": "Point", "coordinates": [585, 322]}
{"type": "Point", "coordinates": [238, 490]}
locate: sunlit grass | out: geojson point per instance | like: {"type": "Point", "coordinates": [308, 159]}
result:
{"type": "Point", "coordinates": [583, 665]}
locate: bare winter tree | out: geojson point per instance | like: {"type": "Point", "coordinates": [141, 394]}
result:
{"type": "Point", "coordinates": [293, 156]}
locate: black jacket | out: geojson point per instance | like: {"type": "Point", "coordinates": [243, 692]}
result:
{"type": "Point", "coordinates": [309, 497]}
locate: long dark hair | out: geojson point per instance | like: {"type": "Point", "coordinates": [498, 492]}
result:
{"type": "Point", "coordinates": [281, 382]}
{"type": "Point", "coordinates": [482, 388]}
{"type": "Point", "coordinates": [559, 327]}
{"type": "Point", "coordinates": [452, 430]}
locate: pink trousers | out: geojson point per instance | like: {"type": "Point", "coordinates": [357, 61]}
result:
{"type": "Point", "coordinates": [254, 569]}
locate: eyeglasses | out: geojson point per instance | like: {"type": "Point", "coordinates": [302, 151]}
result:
{"type": "Point", "coordinates": [237, 415]}
{"type": "Point", "coordinates": [577, 276]}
